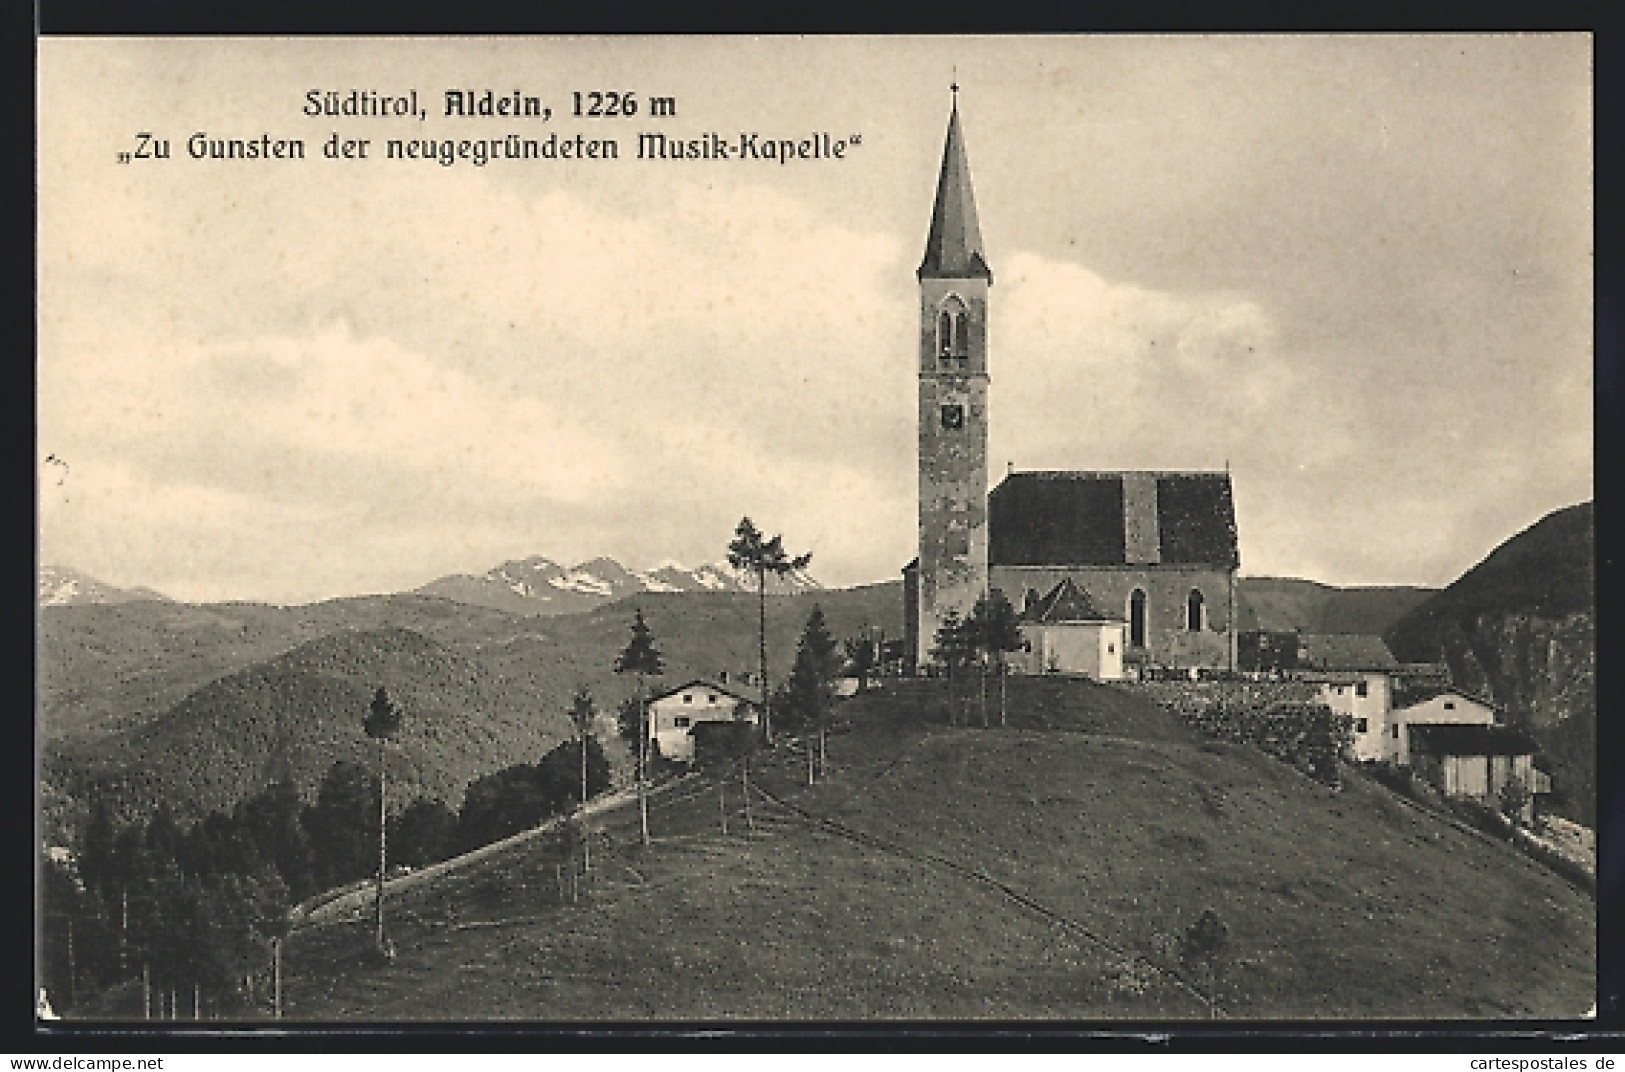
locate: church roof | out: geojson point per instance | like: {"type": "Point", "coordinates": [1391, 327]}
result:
{"type": "Point", "coordinates": [1066, 602]}
{"type": "Point", "coordinates": [1113, 519]}
{"type": "Point", "coordinates": [953, 249]}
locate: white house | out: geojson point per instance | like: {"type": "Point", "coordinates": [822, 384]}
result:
{"type": "Point", "coordinates": [1449, 707]}
{"type": "Point", "coordinates": [673, 714]}
{"type": "Point", "coordinates": [1066, 634]}
{"type": "Point", "coordinates": [1366, 696]}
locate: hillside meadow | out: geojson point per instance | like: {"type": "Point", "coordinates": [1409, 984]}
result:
{"type": "Point", "coordinates": [1044, 870]}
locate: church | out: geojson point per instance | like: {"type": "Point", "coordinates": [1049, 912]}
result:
{"type": "Point", "coordinates": [1147, 558]}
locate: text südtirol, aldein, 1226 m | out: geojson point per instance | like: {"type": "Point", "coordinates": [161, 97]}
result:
{"type": "Point", "coordinates": [487, 104]}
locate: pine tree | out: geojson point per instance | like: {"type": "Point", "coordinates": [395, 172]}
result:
{"type": "Point", "coordinates": [812, 677]}
{"type": "Point", "coordinates": [751, 551]}
{"type": "Point", "coordinates": [642, 658]}
{"type": "Point", "coordinates": [382, 723]}
{"type": "Point", "coordinates": [952, 649]}
{"type": "Point", "coordinates": [996, 629]}
{"type": "Point", "coordinates": [861, 656]}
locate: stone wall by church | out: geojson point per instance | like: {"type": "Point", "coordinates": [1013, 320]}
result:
{"type": "Point", "coordinates": [1167, 589]}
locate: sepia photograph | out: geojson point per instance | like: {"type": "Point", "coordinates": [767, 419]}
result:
{"type": "Point", "coordinates": [1047, 529]}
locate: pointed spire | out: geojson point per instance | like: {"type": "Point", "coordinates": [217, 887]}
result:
{"type": "Point", "coordinates": [953, 250]}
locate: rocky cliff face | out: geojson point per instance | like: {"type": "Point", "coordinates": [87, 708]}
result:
{"type": "Point", "coordinates": [1520, 630]}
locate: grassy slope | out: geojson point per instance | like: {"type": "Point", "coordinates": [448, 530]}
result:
{"type": "Point", "coordinates": [1339, 905]}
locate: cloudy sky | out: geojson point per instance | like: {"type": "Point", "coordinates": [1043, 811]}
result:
{"type": "Point", "coordinates": [1356, 270]}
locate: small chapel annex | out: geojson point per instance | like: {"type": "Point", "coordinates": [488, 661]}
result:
{"type": "Point", "coordinates": [1153, 555]}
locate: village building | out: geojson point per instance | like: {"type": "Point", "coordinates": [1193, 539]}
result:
{"type": "Point", "coordinates": [674, 713]}
{"type": "Point", "coordinates": [1448, 707]}
{"type": "Point", "coordinates": [1477, 761]}
{"type": "Point", "coordinates": [1367, 698]}
{"type": "Point", "coordinates": [1157, 548]}
{"type": "Point", "coordinates": [1066, 634]}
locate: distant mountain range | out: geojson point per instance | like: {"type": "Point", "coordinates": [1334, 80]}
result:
{"type": "Point", "coordinates": [538, 585]}
{"type": "Point", "coordinates": [60, 586]}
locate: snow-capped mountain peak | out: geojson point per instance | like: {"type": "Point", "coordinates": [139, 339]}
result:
{"type": "Point", "coordinates": [538, 585]}
{"type": "Point", "coordinates": [60, 586]}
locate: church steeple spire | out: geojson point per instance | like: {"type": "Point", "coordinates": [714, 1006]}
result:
{"type": "Point", "coordinates": [953, 249]}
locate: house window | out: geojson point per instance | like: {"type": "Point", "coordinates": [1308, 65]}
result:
{"type": "Point", "coordinates": [688, 697]}
{"type": "Point", "coordinates": [1136, 619]}
{"type": "Point", "coordinates": [711, 697]}
{"type": "Point", "coordinates": [1450, 705]}
{"type": "Point", "coordinates": [953, 417]}
{"type": "Point", "coordinates": [1396, 731]}
{"type": "Point", "coordinates": [1360, 725]}
{"type": "Point", "coordinates": [681, 722]}
{"type": "Point", "coordinates": [1360, 688]}
{"type": "Point", "coordinates": [1111, 649]}
{"type": "Point", "coordinates": [1195, 609]}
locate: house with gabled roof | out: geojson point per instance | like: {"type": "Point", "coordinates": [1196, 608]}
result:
{"type": "Point", "coordinates": [1067, 634]}
{"type": "Point", "coordinates": [675, 712]}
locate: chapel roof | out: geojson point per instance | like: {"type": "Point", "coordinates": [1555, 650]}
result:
{"type": "Point", "coordinates": [1113, 519]}
{"type": "Point", "coordinates": [1066, 602]}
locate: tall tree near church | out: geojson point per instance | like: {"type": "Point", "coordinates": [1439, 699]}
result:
{"type": "Point", "coordinates": [642, 658]}
{"type": "Point", "coordinates": [383, 722]}
{"type": "Point", "coordinates": [996, 630]}
{"type": "Point", "coordinates": [811, 684]}
{"type": "Point", "coordinates": [952, 649]}
{"type": "Point", "coordinates": [862, 654]}
{"type": "Point", "coordinates": [751, 551]}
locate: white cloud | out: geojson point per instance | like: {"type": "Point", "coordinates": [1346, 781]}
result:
{"type": "Point", "coordinates": [1090, 373]}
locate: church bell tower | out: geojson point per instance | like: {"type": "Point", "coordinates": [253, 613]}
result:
{"type": "Point", "coordinates": [951, 572]}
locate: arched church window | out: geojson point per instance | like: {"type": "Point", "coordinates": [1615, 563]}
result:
{"type": "Point", "coordinates": [1195, 609]}
{"type": "Point", "coordinates": [1136, 619]}
{"type": "Point", "coordinates": [952, 331]}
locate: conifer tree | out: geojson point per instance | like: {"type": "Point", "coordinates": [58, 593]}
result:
{"type": "Point", "coordinates": [642, 658]}
{"type": "Point", "coordinates": [383, 722]}
{"type": "Point", "coordinates": [582, 714]}
{"type": "Point", "coordinates": [995, 629]}
{"type": "Point", "coordinates": [811, 680]}
{"type": "Point", "coordinates": [753, 552]}
{"type": "Point", "coordinates": [861, 657]}
{"type": "Point", "coordinates": [952, 648]}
